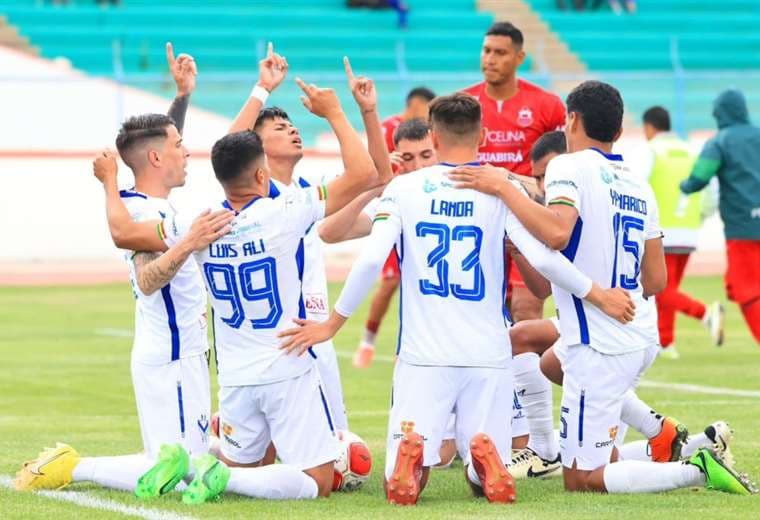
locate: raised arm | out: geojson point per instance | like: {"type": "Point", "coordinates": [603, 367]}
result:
{"type": "Point", "coordinates": [359, 170]}
{"type": "Point", "coordinates": [350, 222]}
{"type": "Point", "coordinates": [272, 71]}
{"type": "Point", "coordinates": [184, 71]}
{"type": "Point", "coordinates": [707, 166]}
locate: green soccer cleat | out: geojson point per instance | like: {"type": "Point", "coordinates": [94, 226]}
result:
{"type": "Point", "coordinates": [720, 476]}
{"type": "Point", "coordinates": [211, 477]}
{"type": "Point", "coordinates": [163, 477]}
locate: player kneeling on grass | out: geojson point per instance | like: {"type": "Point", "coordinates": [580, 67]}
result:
{"type": "Point", "coordinates": [253, 276]}
{"type": "Point", "coordinates": [454, 351]}
{"type": "Point", "coordinates": [605, 219]}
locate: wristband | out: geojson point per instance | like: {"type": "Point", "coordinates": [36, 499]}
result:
{"type": "Point", "coordinates": [260, 93]}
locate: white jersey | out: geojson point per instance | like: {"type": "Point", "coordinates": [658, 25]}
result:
{"type": "Point", "coordinates": [254, 277]}
{"type": "Point", "coordinates": [617, 214]}
{"type": "Point", "coordinates": [171, 323]}
{"type": "Point", "coordinates": [451, 255]}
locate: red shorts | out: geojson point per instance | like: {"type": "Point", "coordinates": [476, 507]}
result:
{"type": "Point", "coordinates": [743, 270]}
{"type": "Point", "coordinates": [390, 268]}
{"type": "Point", "coordinates": [514, 278]}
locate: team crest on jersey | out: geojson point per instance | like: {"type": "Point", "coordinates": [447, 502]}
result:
{"type": "Point", "coordinates": [607, 177]}
{"type": "Point", "coordinates": [429, 187]}
{"type": "Point", "coordinates": [525, 117]}
{"type": "Point", "coordinates": [613, 432]}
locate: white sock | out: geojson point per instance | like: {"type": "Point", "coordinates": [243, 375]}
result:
{"type": "Point", "coordinates": [693, 443]}
{"type": "Point", "coordinates": [473, 475]}
{"type": "Point", "coordinates": [275, 482]}
{"type": "Point", "coordinates": [113, 472]}
{"type": "Point", "coordinates": [639, 416]}
{"type": "Point", "coordinates": [369, 339]}
{"type": "Point", "coordinates": [635, 476]}
{"type": "Point", "coordinates": [535, 392]}
{"type": "Point", "coordinates": [636, 450]}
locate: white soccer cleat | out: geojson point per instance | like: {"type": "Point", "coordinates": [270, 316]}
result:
{"type": "Point", "coordinates": [669, 352]}
{"type": "Point", "coordinates": [721, 434]}
{"type": "Point", "coordinates": [527, 464]}
{"type": "Point", "coordinates": [714, 320]}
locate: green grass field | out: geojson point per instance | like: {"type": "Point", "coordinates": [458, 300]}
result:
{"type": "Point", "coordinates": [64, 379]}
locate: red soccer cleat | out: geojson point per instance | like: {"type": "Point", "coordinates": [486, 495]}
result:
{"type": "Point", "coordinates": [498, 485]}
{"type": "Point", "coordinates": [404, 485]}
{"type": "Point", "coordinates": [667, 445]}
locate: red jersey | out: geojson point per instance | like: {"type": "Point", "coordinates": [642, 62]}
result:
{"type": "Point", "coordinates": [512, 126]}
{"type": "Point", "coordinates": [389, 127]}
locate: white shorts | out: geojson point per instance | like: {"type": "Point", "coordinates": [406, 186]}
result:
{"type": "Point", "coordinates": [293, 414]}
{"type": "Point", "coordinates": [592, 399]}
{"type": "Point", "coordinates": [173, 404]}
{"type": "Point", "coordinates": [329, 372]}
{"type": "Point", "coordinates": [559, 348]}
{"type": "Point", "coordinates": [520, 425]}
{"type": "Point", "coordinates": [426, 396]}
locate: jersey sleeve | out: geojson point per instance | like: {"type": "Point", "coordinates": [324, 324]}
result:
{"type": "Point", "coordinates": [558, 114]}
{"type": "Point", "coordinates": [652, 228]}
{"type": "Point", "coordinates": [174, 228]}
{"type": "Point", "coordinates": [304, 207]}
{"type": "Point", "coordinates": [562, 182]}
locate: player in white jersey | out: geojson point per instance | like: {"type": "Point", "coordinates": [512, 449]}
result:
{"type": "Point", "coordinates": [604, 219]}
{"type": "Point", "coordinates": [255, 279]}
{"type": "Point", "coordinates": [453, 348]}
{"type": "Point", "coordinates": [168, 361]}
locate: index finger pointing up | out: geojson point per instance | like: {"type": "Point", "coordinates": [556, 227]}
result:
{"type": "Point", "coordinates": [170, 53]}
{"type": "Point", "coordinates": [347, 65]}
{"type": "Point", "coordinates": [270, 50]}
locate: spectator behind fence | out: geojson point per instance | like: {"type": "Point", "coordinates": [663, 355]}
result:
{"type": "Point", "coordinates": [733, 155]}
{"type": "Point", "coordinates": [400, 6]}
{"type": "Point", "coordinates": [617, 8]}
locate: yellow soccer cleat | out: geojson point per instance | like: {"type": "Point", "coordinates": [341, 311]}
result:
{"type": "Point", "coordinates": [52, 469]}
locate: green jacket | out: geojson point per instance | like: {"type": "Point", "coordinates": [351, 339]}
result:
{"type": "Point", "coordinates": [734, 156]}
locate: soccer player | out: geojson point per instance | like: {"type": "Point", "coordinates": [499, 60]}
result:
{"type": "Point", "coordinates": [604, 219]}
{"type": "Point", "coordinates": [515, 114]}
{"type": "Point", "coordinates": [168, 362]}
{"type": "Point", "coordinates": [454, 328]}
{"type": "Point", "coordinates": [417, 101]}
{"type": "Point", "coordinates": [670, 161]}
{"type": "Point", "coordinates": [254, 277]}
{"type": "Point", "coordinates": [733, 155]}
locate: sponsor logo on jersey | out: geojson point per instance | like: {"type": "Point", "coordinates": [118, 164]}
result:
{"type": "Point", "coordinates": [613, 432]}
{"type": "Point", "coordinates": [227, 429]}
{"type": "Point", "coordinates": [502, 137]}
{"type": "Point", "coordinates": [203, 425]}
{"type": "Point", "coordinates": [315, 303]}
{"type": "Point", "coordinates": [500, 157]}
{"type": "Point", "coordinates": [525, 117]}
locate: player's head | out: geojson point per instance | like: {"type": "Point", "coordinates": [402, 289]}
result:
{"type": "Point", "coordinates": [280, 137]}
{"type": "Point", "coordinates": [656, 120]}
{"type": "Point", "coordinates": [548, 146]}
{"type": "Point", "coordinates": [414, 144]}
{"type": "Point", "coordinates": [502, 53]}
{"type": "Point", "coordinates": [150, 143]}
{"type": "Point", "coordinates": [455, 122]}
{"type": "Point", "coordinates": [594, 112]}
{"type": "Point", "coordinates": [417, 102]}
{"type": "Point", "coordinates": [240, 163]}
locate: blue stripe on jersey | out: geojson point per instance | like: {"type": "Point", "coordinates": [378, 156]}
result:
{"type": "Point", "coordinates": [125, 194]}
{"type": "Point", "coordinates": [504, 284]}
{"type": "Point", "coordinates": [452, 165]}
{"type": "Point", "coordinates": [400, 255]}
{"type": "Point", "coordinates": [303, 183]}
{"type": "Point", "coordinates": [181, 406]}
{"type": "Point", "coordinates": [580, 418]}
{"type": "Point", "coordinates": [172, 318]}
{"type": "Point", "coordinates": [609, 156]}
{"type": "Point", "coordinates": [327, 409]}
{"type": "Point", "coordinates": [213, 340]}
{"type": "Point", "coordinates": [273, 191]}
{"type": "Point", "coordinates": [301, 304]}
{"type": "Point", "coordinates": [308, 229]}
{"type": "Point", "coordinates": [616, 227]}
{"type": "Point", "coordinates": [227, 205]}
{"type": "Point", "coordinates": [570, 251]}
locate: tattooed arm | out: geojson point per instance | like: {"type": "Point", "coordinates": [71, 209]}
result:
{"type": "Point", "coordinates": [155, 270]}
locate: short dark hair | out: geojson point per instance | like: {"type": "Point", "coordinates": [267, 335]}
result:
{"type": "Point", "coordinates": [411, 130]}
{"type": "Point", "coordinates": [600, 107]}
{"type": "Point", "coordinates": [457, 115]}
{"type": "Point", "coordinates": [422, 93]}
{"type": "Point", "coordinates": [234, 153]}
{"type": "Point", "coordinates": [269, 114]}
{"type": "Point", "coordinates": [658, 117]}
{"type": "Point", "coordinates": [139, 129]}
{"type": "Point", "coordinates": [508, 30]}
{"type": "Point", "coordinates": [550, 142]}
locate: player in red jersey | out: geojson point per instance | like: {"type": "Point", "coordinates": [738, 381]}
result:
{"type": "Point", "coordinates": [515, 114]}
{"type": "Point", "coordinates": [416, 108]}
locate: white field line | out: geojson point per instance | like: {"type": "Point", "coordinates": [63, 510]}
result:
{"type": "Point", "coordinates": [89, 501]}
{"type": "Point", "coordinates": [680, 387]}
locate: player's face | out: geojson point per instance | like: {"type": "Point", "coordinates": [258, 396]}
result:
{"type": "Point", "coordinates": [417, 109]}
{"type": "Point", "coordinates": [539, 170]}
{"type": "Point", "coordinates": [174, 158]}
{"type": "Point", "coordinates": [281, 139]}
{"type": "Point", "coordinates": [416, 154]}
{"type": "Point", "coordinates": [499, 59]}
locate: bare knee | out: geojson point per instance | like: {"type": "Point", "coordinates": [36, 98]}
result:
{"type": "Point", "coordinates": [323, 475]}
{"type": "Point", "coordinates": [551, 367]}
{"type": "Point", "coordinates": [581, 480]}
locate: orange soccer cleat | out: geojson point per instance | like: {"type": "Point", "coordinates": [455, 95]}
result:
{"type": "Point", "coordinates": [667, 445]}
{"type": "Point", "coordinates": [498, 485]}
{"type": "Point", "coordinates": [404, 486]}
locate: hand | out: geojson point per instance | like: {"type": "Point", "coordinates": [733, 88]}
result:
{"type": "Point", "coordinates": [308, 333]}
{"type": "Point", "coordinates": [272, 70]}
{"type": "Point", "coordinates": [183, 69]}
{"type": "Point", "coordinates": [486, 178]}
{"type": "Point", "coordinates": [362, 88]}
{"type": "Point", "coordinates": [105, 167]}
{"type": "Point", "coordinates": [322, 102]}
{"type": "Point", "coordinates": [511, 248]}
{"type": "Point", "coordinates": [617, 304]}
{"type": "Point", "coordinates": [397, 162]}
{"type": "Point", "coordinates": [209, 227]}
